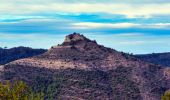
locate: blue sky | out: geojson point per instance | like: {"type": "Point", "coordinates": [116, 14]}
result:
{"type": "Point", "coordinates": [138, 26]}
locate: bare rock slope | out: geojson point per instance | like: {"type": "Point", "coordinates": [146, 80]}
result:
{"type": "Point", "coordinates": [91, 71]}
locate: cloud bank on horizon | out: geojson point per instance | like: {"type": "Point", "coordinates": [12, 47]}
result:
{"type": "Point", "coordinates": [130, 26]}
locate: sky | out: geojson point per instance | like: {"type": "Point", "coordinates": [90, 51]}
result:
{"type": "Point", "coordinates": [132, 26]}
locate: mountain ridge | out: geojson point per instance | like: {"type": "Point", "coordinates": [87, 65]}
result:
{"type": "Point", "coordinates": [76, 50]}
{"type": "Point", "coordinates": [15, 53]}
{"type": "Point", "coordinates": [156, 58]}
{"type": "Point", "coordinates": [89, 70]}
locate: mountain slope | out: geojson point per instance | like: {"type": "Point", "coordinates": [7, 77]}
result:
{"type": "Point", "coordinates": [81, 69]}
{"type": "Point", "coordinates": [156, 58]}
{"type": "Point", "coordinates": [8, 55]}
{"type": "Point", "coordinates": [78, 51]}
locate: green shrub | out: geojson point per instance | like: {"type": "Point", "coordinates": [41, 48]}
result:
{"type": "Point", "coordinates": [166, 96]}
{"type": "Point", "coordinates": [18, 90]}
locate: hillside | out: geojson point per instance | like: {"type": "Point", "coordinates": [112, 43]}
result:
{"type": "Point", "coordinates": [156, 58]}
{"type": "Point", "coordinates": [81, 69]}
{"type": "Point", "coordinates": [8, 55]}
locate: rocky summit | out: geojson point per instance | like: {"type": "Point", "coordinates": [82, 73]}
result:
{"type": "Point", "coordinates": [74, 39]}
{"type": "Point", "coordinates": [85, 70]}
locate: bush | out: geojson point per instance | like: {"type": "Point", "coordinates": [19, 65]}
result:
{"type": "Point", "coordinates": [166, 96]}
{"type": "Point", "coordinates": [18, 90]}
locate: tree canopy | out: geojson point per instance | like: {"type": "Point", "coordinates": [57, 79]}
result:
{"type": "Point", "coordinates": [166, 96]}
{"type": "Point", "coordinates": [18, 90]}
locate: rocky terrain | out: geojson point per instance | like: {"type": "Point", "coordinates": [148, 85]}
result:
{"type": "Point", "coordinates": [81, 69]}
{"type": "Point", "coordinates": [156, 58]}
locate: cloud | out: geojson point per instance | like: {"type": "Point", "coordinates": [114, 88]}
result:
{"type": "Point", "coordinates": [138, 26]}
{"type": "Point", "coordinates": [129, 34]}
{"type": "Point", "coordinates": [28, 25]}
{"type": "Point", "coordinates": [92, 25]}
{"type": "Point", "coordinates": [130, 10]}
{"type": "Point", "coordinates": [88, 1]}
{"type": "Point", "coordinates": [132, 42]}
{"type": "Point", "coordinates": [141, 42]}
{"type": "Point", "coordinates": [161, 25]}
{"type": "Point", "coordinates": [34, 40]}
{"type": "Point", "coordinates": [104, 25]}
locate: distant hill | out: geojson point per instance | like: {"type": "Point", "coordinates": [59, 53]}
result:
{"type": "Point", "coordinates": [8, 55]}
{"type": "Point", "coordinates": [156, 58]}
{"type": "Point", "coordinates": [81, 69]}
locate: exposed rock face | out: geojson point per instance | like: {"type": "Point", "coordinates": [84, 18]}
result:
{"type": "Point", "coordinates": [106, 74]}
{"type": "Point", "coordinates": [74, 38]}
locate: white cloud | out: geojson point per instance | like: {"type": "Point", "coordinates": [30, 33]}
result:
{"type": "Point", "coordinates": [132, 42]}
{"type": "Point", "coordinates": [130, 10]}
{"type": "Point", "coordinates": [160, 25]}
{"type": "Point", "coordinates": [141, 42]}
{"type": "Point", "coordinates": [30, 40]}
{"type": "Point", "coordinates": [129, 34]}
{"type": "Point", "coordinates": [103, 25]}
{"type": "Point", "coordinates": [88, 25]}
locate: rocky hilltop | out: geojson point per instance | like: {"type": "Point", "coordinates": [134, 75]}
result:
{"type": "Point", "coordinates": [79, 52]}
{"type": "Point", "coordinates": [86, 70]}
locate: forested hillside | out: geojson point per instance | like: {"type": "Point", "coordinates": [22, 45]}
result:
{"type": "Point", "coordinates": [8, 55]}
